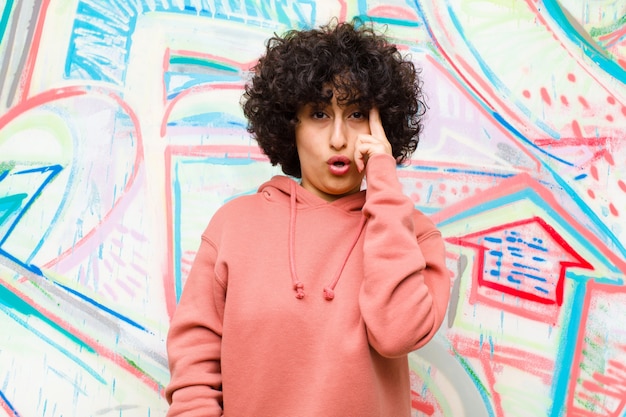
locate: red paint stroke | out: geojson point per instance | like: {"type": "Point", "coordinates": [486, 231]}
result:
{"type": "Point", "coordinates": [343, 10]}
{"type": "Point", "coordinates": [612, 38]}
{"type": "Point", "coordinates": [583, 101]}
{"type": "Point", "coordinates": [576, 129]}
{"type": "Point", "coordinates": [8, 409]}
{"type": "Point", "coordinates": [394, 12]}
{"type": "Point", "coordinates": [33, 52]}
{"type": "Point", "coordinates": [601, 141]}
{"type": "Point", "coordinates": [545, 96]}
{"type": "Point", "coordinates": [39, 100]}
{"type": "Point", "coordinates": [421, 406]}
{"type": "Point", "coordinates": [500, 355]}
{"type": "Point", "coordinates": [600, 387]}
{"type": "Point", "coordinates": [522, 182]}
{"type": "Point", "coordinates": [601, 154]}
{"type": "Point", "coordinates": [608, 157]}
{"type": "Point", "coordinates": [194, 90]}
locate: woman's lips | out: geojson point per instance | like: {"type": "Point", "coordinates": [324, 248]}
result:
{"type": "Point", "coordinates": [339, 165]}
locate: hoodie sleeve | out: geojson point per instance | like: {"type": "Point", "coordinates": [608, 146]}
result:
{"type": "Point", "coordinates": [406, 284]}
{"type": "Point", "coordinates": [194, 341]}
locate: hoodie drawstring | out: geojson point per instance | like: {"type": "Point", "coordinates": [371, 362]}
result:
{"type": "Point", "coordinates": [298, 286]}
{"type": "Point", "coordinates": [329, 290]}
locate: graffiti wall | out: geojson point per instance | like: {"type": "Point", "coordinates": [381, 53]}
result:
{"type": "Point", "coordinates": [121, 134]}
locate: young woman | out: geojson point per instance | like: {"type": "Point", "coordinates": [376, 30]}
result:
{"type": "Point", "coordinates": [305, 298]}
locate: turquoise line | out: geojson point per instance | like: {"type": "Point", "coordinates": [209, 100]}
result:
{"type": "Point", "coordinates": [592, 51]}
{"type": "Point", "coordinates": [4, 20]}
{"type": "Point", "coordinates": [567, 349]}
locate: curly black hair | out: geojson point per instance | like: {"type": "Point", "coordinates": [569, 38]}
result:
{"type": "Point", "coordinates": [362, 67]}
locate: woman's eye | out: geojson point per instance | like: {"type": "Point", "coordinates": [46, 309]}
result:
{"type": "Point", "coordinates": [318, 115]}
{"type": "Point", "coordinates": [358, 115]}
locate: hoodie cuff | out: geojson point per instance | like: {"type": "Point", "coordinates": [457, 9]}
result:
{"type": "Point", "coordinates": [380, 173]}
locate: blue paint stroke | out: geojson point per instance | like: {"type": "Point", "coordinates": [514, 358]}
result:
{"type": "Point", "coordinates": [211, 120]}
{"type": "Point", "coordinates": [32, 268]}
{"type": "Point", "coordinates": [101, 306]}
{"type": "Point", "coordinates": [6, 401]}
{"type": "Point", "coordinates": [104, 29]}
{"type": "Point", "coordinates": [476, 172]}
{"type": "Point", "coordinates": [50, 172]}
{"type": "Point", "coordinates": [513, 280]}
{"type": "Point", "coordinates": [107, 30]}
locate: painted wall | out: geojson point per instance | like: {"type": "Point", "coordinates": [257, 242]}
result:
{"type": "Point", "coordinates": [121, 134]}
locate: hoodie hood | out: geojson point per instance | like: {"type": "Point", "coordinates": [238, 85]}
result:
{"type": "Point", "coordinates": [286, 190]}
{"type": "Point", "coordinates": [280, 188]}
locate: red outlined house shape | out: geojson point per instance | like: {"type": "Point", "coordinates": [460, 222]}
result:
{"type": "Point", "coordinates": [520, 267]}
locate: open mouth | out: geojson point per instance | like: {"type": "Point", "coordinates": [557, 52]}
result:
{"type": "Point", "coordinates": [339, 165]}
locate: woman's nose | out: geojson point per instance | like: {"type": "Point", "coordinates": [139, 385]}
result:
{"type": "Point", "coordinates": [339, 138]}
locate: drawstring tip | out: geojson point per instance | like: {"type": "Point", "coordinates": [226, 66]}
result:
{"type": "Point", "coordinates": [299, 287]}
{"type": "Point", "coordinates": [329, 294]}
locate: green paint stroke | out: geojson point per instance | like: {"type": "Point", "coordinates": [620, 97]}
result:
{"type": "Point", "coordinates": [598, 32]}
{"type": "Point", "coordinates": [143, 372]}
{"type": "Point", "coordinates": [6, 166]}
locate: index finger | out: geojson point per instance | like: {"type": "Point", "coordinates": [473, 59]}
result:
{"type": "Point", "coordinates": [376, 125]}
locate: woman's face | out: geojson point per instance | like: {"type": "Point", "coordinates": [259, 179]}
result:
{"type": "Point", "coordinates": [325, 138]}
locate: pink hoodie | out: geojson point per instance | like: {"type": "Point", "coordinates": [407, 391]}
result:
{"type": "Point", "coordinates": [296, 307]}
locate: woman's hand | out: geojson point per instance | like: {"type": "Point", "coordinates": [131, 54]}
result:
{"type": "Point", "coordinates": [374, 143]}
